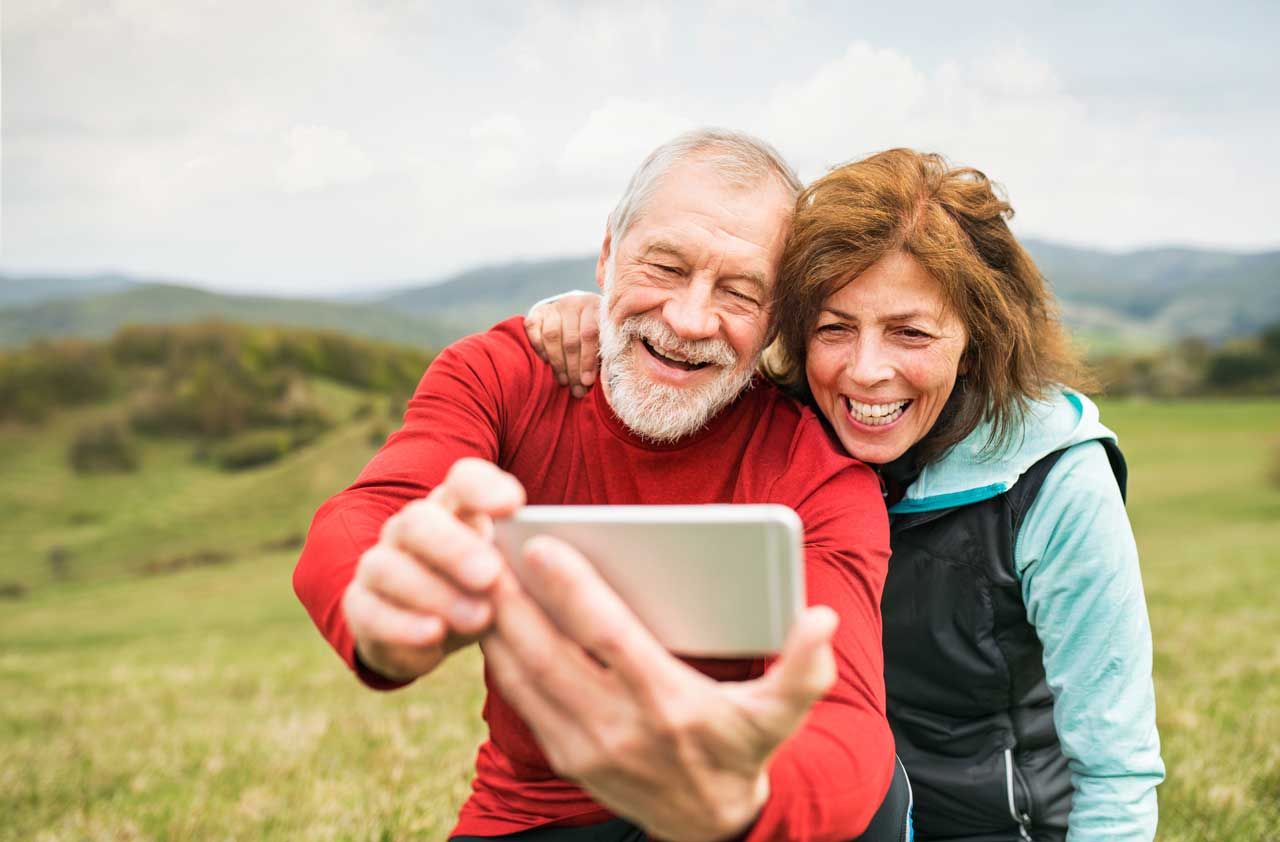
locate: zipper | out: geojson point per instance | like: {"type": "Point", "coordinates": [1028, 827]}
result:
{"type": "Point", "coordinates": [1022, 819]}
{"type": "Point", "coordinates": [908, 832]}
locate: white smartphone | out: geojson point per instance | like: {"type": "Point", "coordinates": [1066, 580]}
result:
{"type": "Point", "coordinates": [718, 581]}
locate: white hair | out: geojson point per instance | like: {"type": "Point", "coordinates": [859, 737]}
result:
{"type": "Point", "coordinates": [739, 158]}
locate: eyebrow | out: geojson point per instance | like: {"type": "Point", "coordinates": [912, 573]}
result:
{"type": "Point", "coordinates": [666, 247]}
{"type": "Point", "coordinates": [892, 317]}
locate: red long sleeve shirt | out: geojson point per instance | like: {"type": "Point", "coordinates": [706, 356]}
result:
{"type": "Point", "coordinates": [491, 397]}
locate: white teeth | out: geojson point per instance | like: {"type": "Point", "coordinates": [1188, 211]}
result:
{"type": "Point", "coordinates": [876, 414]}
{"type": "Point", "coordinates": [675, 355]}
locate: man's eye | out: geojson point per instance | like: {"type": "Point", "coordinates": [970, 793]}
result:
{"type": "Point", "coordinates": [744, 297]}
{"type": "Point", "coordinates": [669, 270]}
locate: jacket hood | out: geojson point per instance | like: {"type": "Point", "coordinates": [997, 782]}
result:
{"type": "Point", "coordinates": [969, 473]}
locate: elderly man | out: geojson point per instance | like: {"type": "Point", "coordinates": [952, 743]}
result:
{"type": "Point", "coordinates": [596, 732]}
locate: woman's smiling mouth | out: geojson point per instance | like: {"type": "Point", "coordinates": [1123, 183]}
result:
{"type": "Point", "coordinates": [875, 414]}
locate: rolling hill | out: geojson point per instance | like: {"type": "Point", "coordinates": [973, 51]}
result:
{"type": "Point", "coordinates": [99, 316]}
{"type": "Point", "coordinates": [1128, 299]}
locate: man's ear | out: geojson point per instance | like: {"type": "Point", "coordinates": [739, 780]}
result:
{"type": "Point", "coordinates": [605, 248]}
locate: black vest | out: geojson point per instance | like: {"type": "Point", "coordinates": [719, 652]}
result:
{"type": "Point", "coordinates": [967, 699]}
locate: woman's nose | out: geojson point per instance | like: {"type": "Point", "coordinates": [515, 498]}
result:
{"type": "Point", "coordinates": [869, 364]}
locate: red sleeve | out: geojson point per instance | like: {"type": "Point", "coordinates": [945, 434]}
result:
{"type": "Point", "coordinates": [829, 778]}
{"type": "Point", "coordinates": [464, 406]}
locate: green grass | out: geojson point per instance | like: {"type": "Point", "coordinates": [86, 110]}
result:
{"type": "Point", "coordinates": [1207, 518]}
{"type": "Point", "coordinates": [202, 703]}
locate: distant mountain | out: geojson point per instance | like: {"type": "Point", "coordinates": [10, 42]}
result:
{"type": "Point", "coordinates": [98, 316]}
{"type": "Point", "coordinates": [1110, 300]}
{"type": "Point", "coordinates": [1168, 293]}
{"type": "Point", "coordinates": [16, 290]}
{"type": "Point", "coordinates": [483, 296]}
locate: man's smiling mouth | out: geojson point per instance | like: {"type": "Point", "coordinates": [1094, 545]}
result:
{"type": "Point", "coordinates": [673, 362]}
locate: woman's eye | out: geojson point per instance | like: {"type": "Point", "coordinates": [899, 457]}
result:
{"type": "Point", "coordinates": [913, 333]}
{"type": "Point", "coordinates": [832, 329]}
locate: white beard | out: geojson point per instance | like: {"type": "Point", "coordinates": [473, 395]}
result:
{"type": "Point", "coordinates": [660, 412]}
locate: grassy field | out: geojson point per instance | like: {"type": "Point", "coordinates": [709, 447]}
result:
{"type": "Point", "coordinates": [143, 696]}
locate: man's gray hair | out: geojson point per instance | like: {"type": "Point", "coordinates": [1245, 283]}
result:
{"type": "Point", "coordinates": [742, 160]}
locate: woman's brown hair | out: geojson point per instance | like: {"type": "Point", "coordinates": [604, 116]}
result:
{"type": "Point", "coordinates": [954, 222]}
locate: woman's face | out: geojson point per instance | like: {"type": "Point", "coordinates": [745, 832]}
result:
{"type": "Point", "coordinates": [883, 358]}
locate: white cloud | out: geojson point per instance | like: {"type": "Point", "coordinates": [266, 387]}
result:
{"type": "Point", "coordinates": [500, 146]}
{"type": "Point", "coordinates": [398, 140]}
{"type": "Point", "coordinates": [616, 137]}
{"type": "Point", "coordinates": [1072, 172]}
{"type": "Point", "coordinates": [317, 157]}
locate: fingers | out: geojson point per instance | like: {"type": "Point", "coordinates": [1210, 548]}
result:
{"type": "Point", "coordinates": [552, 336]}
{"type": "Point", "coordinates": [534, 664]}
{"type": "Point", "coordinates": [474, 486]}
{"type": "Point", "coordinates": [565, 333]}
{"type": "Point", "coordinates": [586, 610]}
{"type": "Point", "coordinates": [508, 673]}
{"type": "Point", "coordinates": [804, 671]}
{"type": "Point", "coordinates": [571, 342]}
{"type": "Point", "coordinates": [589, 357]}
{"type": "Point", "coordinates": [396, 643]}
{"type": "Point", "coordinates": [401, 581]}
{"type": "Point", "coordinates": [533, 329]}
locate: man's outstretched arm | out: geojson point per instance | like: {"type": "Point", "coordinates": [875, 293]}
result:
{"type": "Point", "coordinates": [397, 585]}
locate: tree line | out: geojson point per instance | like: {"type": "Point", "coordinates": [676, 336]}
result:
{"type": "Point", "coordinates": [1248, 367]}
{"type": "Point", "coordinates": [241, 392]}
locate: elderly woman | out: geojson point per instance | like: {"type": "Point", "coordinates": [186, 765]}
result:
{"type": "Point", "coordinates": [1017, 647]}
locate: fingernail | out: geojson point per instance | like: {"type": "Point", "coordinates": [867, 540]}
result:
{"type": "Point", "coordinates": [479, 569]}
{"type": "Point", "coordinates": [588, 377]}
{"type": "Point", "coordinates": [466, 613]}
{"type": "Point", "coordinates": [539, 552]}
{"type": "Point", "coordinates": [578, 391]}
{"type": "Point", "coordinates": [562, 379]}
{"type": "Point", "coordinates": [430, 627]}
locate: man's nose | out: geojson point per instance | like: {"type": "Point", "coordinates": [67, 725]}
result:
{"type": "Point", "coordinates": [869, 364]}
{"type": "Point", "coordinates": [690, 314]}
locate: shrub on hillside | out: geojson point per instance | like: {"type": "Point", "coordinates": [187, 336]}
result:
{"type": "Point", "coordinates": [49, 375]}
{"type": "Point", "coordinates": [103, 448]}
{"type": "Point", "coordinates": [1243, 370]}
{"type": "Point", "coordinates": [143, 344]}
{"type": "Point", "coordinates": [249, 450]}
{"type": "Point", "coordinates": [211, 398]}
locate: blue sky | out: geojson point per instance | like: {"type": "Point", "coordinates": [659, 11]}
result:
{"type": "Point", "coordinates": [318, 147]}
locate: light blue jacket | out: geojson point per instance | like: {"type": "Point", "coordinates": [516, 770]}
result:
{"type": "Point", "coordinates": [1078, 565]}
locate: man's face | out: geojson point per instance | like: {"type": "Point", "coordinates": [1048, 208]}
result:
{"type": "Point", "coordinates": [686, 306]}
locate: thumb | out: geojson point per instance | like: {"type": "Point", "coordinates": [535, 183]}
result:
{"type": "Point", "coordinates": [806, 669]}
{"type": "Point", "coordinates": [476, 487]}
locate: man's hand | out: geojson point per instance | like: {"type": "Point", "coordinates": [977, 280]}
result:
{"type": "Point", "coordinates": [566, 333]}
{"type": "Point", "coordinates": [647, 736]}
{"type": "Point", "coordinates": [424, 589]}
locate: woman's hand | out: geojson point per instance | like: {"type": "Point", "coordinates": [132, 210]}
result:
{"type": "Point", "coordinates": [566, 332]}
